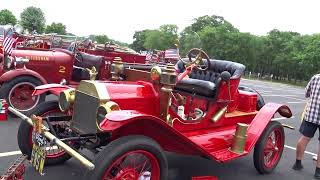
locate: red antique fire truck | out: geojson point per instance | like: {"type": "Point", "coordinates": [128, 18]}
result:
{"type": "Point", "coordinates": [37, 63]}
{"type": "Point", "coordinates": [192, 108]}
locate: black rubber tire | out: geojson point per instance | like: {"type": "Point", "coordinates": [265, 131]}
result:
{"type": "Point", "coordinates": [7, 86]}
{"type": "Point", "coordinates": [260, 100]}
{"type": "Point", "coordinates": [258, 157]}
{"type": "Point", "coordinates": [122, 145]}
{"type": "Point", "coordinates": [24, 133]}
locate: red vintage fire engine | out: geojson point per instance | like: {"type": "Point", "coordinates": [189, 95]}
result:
{"type": "Point", "coordinates": [193, 108]}
{"type": "Point", "coordinates": [38, 65]}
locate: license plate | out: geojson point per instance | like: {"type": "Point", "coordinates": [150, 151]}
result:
{"type": "Point", "coordinates": [38, 155]}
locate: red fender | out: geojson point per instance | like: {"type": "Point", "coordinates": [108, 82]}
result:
{"type": "Point", "coordinates": [7, 76]}
{"type": "Point", "coordinates": [53, 88]}
{"type": "Point", "coordinates": [130, 122]}
{"type": "Point", "coordinates": [261, 120]}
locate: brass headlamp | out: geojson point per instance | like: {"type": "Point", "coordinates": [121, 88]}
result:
{"type": "Point", "coordinates": [155, 73]}
{"type": "Point", "coordinates": [104, 109]}
{"type": "Point", "coordinates": [66, 99]}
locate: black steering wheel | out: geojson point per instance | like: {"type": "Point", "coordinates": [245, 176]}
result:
{"type": "Point", "coordinates": [77, 54]}
{"type": "Point", "coordinates": [197, 56]}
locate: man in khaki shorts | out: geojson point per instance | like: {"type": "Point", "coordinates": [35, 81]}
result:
{"type": "Point", "coordinates": [310, 123]}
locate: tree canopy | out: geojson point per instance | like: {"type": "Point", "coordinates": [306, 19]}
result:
{"type": "Point", "coordinates": [58, 28]}
{"type": "Point", "coordinates": [6, 17]}
{"type": "Point", "coordinates": [33, 19]}
{"type": "Point", "coordinates": [161, 38]}
{"type": "Point", "coordinates": [101, 39]}
{"type": "Point", "coordinates": [282, 54]}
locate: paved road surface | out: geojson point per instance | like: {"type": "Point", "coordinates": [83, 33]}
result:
{"type": "Point", "coordinates": [184, 167]}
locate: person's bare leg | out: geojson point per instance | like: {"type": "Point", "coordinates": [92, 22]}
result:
{"type": "Point", "coordinates": [317, 172]}
{"type": "Point", "coordinates": [318, 159]}
{"type": "Point", "coordinates": [301, 147]}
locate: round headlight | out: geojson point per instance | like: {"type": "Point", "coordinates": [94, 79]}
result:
{"type": "Point", "coordinates": [104, 109]}
{"type": "Point", "coordinates": [155, 73]}
{"type": "Point", "coordinates": [66, 99]}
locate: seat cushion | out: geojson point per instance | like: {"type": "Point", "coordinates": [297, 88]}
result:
{"type": "Point", "coordinates": [88, 60]}
{"type": "Point", "coordinates": [199, 87]}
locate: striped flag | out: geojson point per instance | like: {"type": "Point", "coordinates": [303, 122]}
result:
{"type": "Point", "coordinates": [8, 43]}
{"type": "Point", "coordinates": [1, 40]}
{"type": "Point", "coordinates": [149, 56]}
{"type": "Point", "coordinates": [171, 54]}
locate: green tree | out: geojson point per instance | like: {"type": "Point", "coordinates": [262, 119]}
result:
{"type": "Point", "coordinates": [189, 39]}
{"type": "Point", "coordinates": [58, 28]}
{"type": "Point", "coordinates": [212, 21]}
{"type": "Point", "coordinates": [101, 39]}
{"type": "Point", "coordinates": [139, 39]}
{"type": "Point", "coordinates": [33, 19]}
{"type": "Point", "coordinates": [6, 17]}
{"type": "Point", "coordinates": [162, 38]}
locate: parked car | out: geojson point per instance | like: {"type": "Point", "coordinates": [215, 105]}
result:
{"type": "Point", "coordinates": [19, 78]}
{"type": "Point", "coordinates": [195, 108]}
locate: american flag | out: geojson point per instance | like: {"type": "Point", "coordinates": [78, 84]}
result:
{"type": "Point", "coordinates": [148, 56]}
{"type": "Point", "coordinates": [1, 39]}
{"type": "Point", "coordinates": [8, 43]}
{"type": "Point", "coordinates": [171, 54]}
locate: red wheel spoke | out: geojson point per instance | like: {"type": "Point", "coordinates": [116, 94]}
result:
{"type": "Point", "coordinates": [20, 96]}
{"type": "Point", "coordinates": [273, 148]}
{"type": "Point", "coordinates": [144, 164]}
{"type": "Point", "coordinates": [52, 151]}
{"type": "Point", "coordinates": [133, 166]}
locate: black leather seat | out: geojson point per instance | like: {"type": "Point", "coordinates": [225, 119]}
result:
{"type": "Point", "coordinates": [206, 83]}
{"type": "Point", "coordinates": [84, 60]}
{"type": "Point", "coordinates": [88, 61]}
{"type": "Point", "coordinates": [79, 73]}
{"type": "Point", "coordinates": [196, 86]}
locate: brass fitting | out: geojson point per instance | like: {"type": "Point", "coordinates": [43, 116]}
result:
{"type": "Point", "coordinates": [104, 109]}
{"type": "Point", "coordinates": [169, 77]}
{"type": "Point", "coordinates": [92, 73]}
{"type": "Point", "coordinates": [239, 138]}
{"type": "Point", "coordinates": [219, 114]}
{"type": "Point", "coordinates": [168, 80]}
{"type": "Point", "coordinates": [117, 68]}
{"type": "Point", "coordinates": [155, 73]}
{"type": "Point", "coordinates": [66, 99]}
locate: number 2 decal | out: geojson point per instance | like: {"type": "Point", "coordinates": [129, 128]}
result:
{"type": "Point", "coordinates": [62, 69]}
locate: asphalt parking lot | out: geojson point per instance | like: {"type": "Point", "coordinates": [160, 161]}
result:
{"type": "Point", "coordinates": [184, 167]}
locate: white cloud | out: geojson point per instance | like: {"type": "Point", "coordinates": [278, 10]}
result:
{"type": "Point", "coordinates": [119, 19]}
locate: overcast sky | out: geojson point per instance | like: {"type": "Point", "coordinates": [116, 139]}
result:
{"type": "Point", "coordinates": [119, 19]}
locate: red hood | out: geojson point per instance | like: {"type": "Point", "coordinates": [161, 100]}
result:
{"type": "Point", "coordinates": [141, 96]}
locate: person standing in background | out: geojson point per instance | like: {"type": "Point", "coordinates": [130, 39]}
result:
{"type": "Point", "coordinates": [310, 123]}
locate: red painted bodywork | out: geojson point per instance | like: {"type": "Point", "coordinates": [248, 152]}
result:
{"type": "Point", "coordinates": [49, 70]}
{"type": "Point", "coordinates": [52, 88]}
{"type": "Point", "coordinates": [213, 142]}
{"type": "Point", "coordinates": [140, 114]}
{"type": "Point", "coordinates": [9, 75]}
{"type": "Point", "coordinates": [139, 102]}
